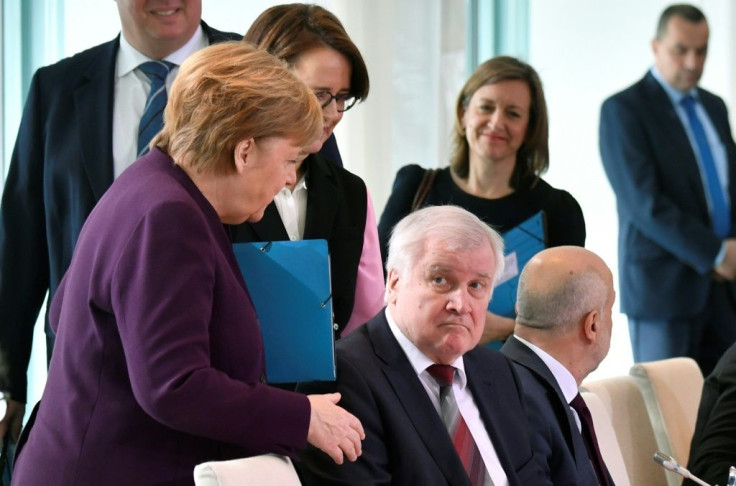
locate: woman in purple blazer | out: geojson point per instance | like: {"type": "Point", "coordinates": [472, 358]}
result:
{"type": "Point", "coordinates": [158, 364]}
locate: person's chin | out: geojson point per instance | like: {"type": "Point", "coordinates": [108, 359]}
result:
{"type": "Point", "coordinates": [256, 217]}
{"type": "Point", "coordinates": [315, 147]}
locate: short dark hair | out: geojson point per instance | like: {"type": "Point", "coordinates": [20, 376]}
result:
{"type": "Point", "coordinates": [288, 31]}
{"type": "Point", "coordinates": [685, 11]}
{"type": "Point", "coordinates": [532, 159]}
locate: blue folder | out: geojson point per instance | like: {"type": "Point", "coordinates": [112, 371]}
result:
{"type": "Point", "coordinates": [520, 245]}
{"type": "Point", "coordinates": [289, 282]}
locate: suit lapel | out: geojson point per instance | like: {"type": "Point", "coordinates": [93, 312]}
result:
{"type": "Point", "coordinates": [665, 119]}
{"type": "Point", "coordinates": [724, 134]}
{"type": "Point", "coordinates": [521, 354]}
{"type": "Point", "coordinates": [93, 100]}
{"type": "Point", "coordinates": [417, 406]}
{"type": "Point", "coordinates": [321, 191]}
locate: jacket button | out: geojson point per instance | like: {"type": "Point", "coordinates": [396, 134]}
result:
{"type": "Point", "coordinates": [335, 326]}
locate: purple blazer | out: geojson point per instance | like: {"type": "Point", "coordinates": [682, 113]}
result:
{"type": "Point", "coordinates": [158, 363]}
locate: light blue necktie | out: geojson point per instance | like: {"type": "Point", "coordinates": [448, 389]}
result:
{"type": "Point", "coordinates": [720, 212]}
{"type": "Point", "coordinates": [152, 120]}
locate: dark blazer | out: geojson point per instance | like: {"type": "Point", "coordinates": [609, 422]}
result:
{"type": "Point", "coordinates": [336, 211]}
{"type": "Point", "coordinates": [61, 165]}
{"type": "Point", "coordinates": [159, 363]}
{"type": "Point", "coordinates": [713, 448]}
{"type": "Point", "coordinates": [555, 435]}
{"type": "Point", "coordinates": [667, 246]}
{"type": "Point", "coordinates": [406, 441]}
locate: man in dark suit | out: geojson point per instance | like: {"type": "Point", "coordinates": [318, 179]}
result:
{"type": "Point", "coordinates": [713, 448]}
{"type": "Point", "coordinates": [562, 333]}
{"type": "Point", "coordinates": [669, 155]}
{"type": "Point", "coordinates": [442, 264]}
{"type": "Point", "coordinates": [78, 132]}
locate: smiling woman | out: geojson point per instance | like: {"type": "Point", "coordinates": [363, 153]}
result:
{"type": "Point", "coordinates": [499, 153]}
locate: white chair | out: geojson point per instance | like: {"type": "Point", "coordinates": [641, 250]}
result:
{"type": "Point", "coordinates": [265, 470]}
{"type": "Point", "coordinates": [672, 389]}
{"type": "Point", "coordinates": [625, 406]}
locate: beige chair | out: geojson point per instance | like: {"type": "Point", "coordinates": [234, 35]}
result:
{"type": "Point", "coordinates": [671, 390]}
{"type": "Point", "coordinates": [624, 404]}
{"type": "Point", "coordinates": [607, 440]}
{"type": "Point", "coordinates": [265, 470]}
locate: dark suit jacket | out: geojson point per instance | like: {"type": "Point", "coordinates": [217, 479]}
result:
{"type": "Point", "coordinates": [159, 363]}
{"type": "Point", "coordinates": [667, 246]}
{"type": "Point", "coordinates": [61, 165]}
{"type": "Point", "coordinates": [555, 435]}
{"type": "Point", "coordinates": [336, 211]}
{"type": "Point", "coordinates": [406, 442]}
{"type": "Point", "coordinates": [713, 448]}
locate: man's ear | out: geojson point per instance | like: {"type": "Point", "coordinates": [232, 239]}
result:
{"type": "Point", "coordinates": [392, 281]}
{"type": "Point", "coordinates": [591, 325]}
{"type": "Point", "coordinates": [242, 150]}
{"type": "Point", "coordinates": [655, 46]}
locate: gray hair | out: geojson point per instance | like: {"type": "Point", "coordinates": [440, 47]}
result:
{"type": "Point", "coordinates": [556, 306]}
{"type": "Point", "coordinates": [453, 226]}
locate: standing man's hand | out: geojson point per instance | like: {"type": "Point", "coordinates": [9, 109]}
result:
{"type": "Point", "coordinates": [727, 268]}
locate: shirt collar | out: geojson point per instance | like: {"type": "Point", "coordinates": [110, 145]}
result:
{"type": "Point", "coordinates": [673, 93]}
{"type": "Point", "coordinates": [129, 58]}
{"type": "Point", "coordinates": [564, 378]}
{"type": "Point", "coordinates": [419, 361]}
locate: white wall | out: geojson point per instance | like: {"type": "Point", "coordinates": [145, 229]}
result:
{"type": "Point", "coordinates": [586, 51]}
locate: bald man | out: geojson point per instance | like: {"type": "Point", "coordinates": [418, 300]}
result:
{"type": "Point", "coordinates": [562, 333]}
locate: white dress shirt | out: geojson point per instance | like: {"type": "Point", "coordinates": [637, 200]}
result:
{"type": "Point", "coordinates": [464, 398]}
{"type": "Point", "coordinates": [292, 207]}
{"type": "Point", "coordinates": [131, 91]}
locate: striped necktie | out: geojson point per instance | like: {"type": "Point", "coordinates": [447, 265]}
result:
{"type": "Point", "coordinates": [720, 212]}
{"type": "Point", "coordinates": [152, 120]}
{"type": "Point", "coordinates": [463, 441]}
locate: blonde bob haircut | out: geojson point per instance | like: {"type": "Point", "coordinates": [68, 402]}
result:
{"type": "Point", "coordinates": [532, 159]}
{"type": "Point", "coordinates": [230, 92]}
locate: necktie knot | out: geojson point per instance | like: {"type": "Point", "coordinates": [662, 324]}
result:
{"type": "Point", "coordinates": [156, 71]}
{"type": "Point", "coordinates": [688, 101]}
{"type": "Point", "coordinates": [443, 374]}
{"type": "Point", "coordinates": [152, 119]}
{"type": "Point", "coordinates": [579, 405]}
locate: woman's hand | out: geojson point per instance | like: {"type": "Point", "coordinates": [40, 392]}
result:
{"type": "Point", "coordinates": [333, 430]}
{"type": "Point", "coordinates": [496, 328]}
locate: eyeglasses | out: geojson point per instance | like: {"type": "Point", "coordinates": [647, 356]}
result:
{"type": "Point", "coordinates": [344, 101]}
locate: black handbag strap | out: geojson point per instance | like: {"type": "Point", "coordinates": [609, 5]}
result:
{"type": "Point", "coordinates": [423, 188]}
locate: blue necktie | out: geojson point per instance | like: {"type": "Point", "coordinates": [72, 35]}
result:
{"type": "Point", "coordinates": [720, 212]}
{"type": "Point", "coordinates": [152, 120]}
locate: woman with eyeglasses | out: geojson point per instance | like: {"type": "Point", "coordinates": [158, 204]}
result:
{"type": "Point", "coordinates": [326, 201]}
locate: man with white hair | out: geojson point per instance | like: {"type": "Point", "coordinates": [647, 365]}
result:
{"type": "Point", "coordinates": [562, 333]}
{"type": "Point", "coordinates": [436, 409]}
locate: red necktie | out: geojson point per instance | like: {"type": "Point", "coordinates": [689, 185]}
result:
{"type": "Point", "coordinates": [462, 439]}
{"type": "Point", "coordinates": [591, 442]}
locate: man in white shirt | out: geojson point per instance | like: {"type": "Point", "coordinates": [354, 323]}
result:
{"type": "Point", "coordinates": [442, 266]}
{"type": "Point", "coordinates": [563, 332]}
